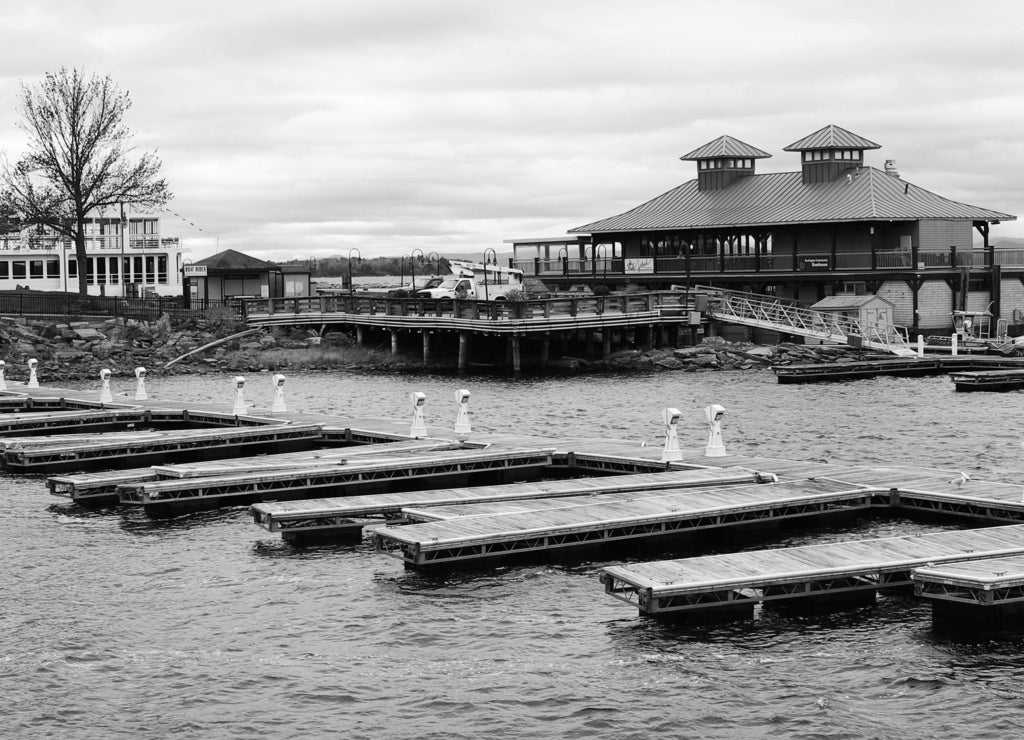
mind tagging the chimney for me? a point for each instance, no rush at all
(890, 168)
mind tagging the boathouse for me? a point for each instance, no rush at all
(869, 310)
(833, 225)
(232, 274)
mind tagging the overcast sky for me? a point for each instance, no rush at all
(308, 128)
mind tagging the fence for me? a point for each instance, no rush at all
(70, 305)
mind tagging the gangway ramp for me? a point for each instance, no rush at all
(768, 312)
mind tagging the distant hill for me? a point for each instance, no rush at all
(1008, 242)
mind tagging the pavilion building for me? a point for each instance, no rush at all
(835, 226)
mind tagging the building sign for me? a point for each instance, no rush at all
(639, 265)
(193, 270)
(815, 263)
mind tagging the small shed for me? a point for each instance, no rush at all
(869, 310)
(232, 274)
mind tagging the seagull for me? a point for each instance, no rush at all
(961, 480)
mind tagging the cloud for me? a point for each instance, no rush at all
(387, 126)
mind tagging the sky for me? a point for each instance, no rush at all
(304, 129)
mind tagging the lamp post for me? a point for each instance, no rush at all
(495, 256)
(603, 251)
(437, 261)
(564, 259)
(401, 270)
(359, 256)
(412, 268)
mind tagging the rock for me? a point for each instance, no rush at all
(87, 333)
(669, 363)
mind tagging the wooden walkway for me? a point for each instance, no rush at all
(295, 519)
(673, 586)
(565, 523)
(102, 487)
(989, 380)
(186, 494)
(903, 367)
(976, 583)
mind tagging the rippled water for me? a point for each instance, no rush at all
(207, 626)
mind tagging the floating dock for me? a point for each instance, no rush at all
(27, 457)
(989, 380)
(983, 596)
(547, 525)
(735, 582)
(344, 516)
(102, 487)
(903, 367)
(192, 494)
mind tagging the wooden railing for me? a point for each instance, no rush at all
(361, 304)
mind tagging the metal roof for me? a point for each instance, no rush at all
(831, 137)
(772, 199)
(230, 259)
(725, 146)
(840, 302)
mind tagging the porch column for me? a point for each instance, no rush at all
(360, 335)
(394, 341)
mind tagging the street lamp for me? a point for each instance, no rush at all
(603, 251)
(495, 256)
(437, 261)
(563, 257)
(359, 256)
(412, 268)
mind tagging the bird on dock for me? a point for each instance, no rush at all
(961, 479)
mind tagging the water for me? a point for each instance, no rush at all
(207, 626)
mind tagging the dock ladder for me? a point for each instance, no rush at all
(775, 314)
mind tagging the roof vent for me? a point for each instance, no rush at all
(890, 168)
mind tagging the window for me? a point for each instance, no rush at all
(18, 269)
(161, 269)
(35, 269)
(90, 270)
(101, 269)
(150, 270)
(126, 273)
(52, 268)
(113, 270)
(136, 269)
(72, 268)
(5, 270)
(731, 163)
(702, 164)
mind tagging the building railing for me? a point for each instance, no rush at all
(879, 260)
(111, 242)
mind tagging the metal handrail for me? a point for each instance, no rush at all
(789, 317)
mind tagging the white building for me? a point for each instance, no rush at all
(140, 262)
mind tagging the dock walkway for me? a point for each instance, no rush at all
(672, 586)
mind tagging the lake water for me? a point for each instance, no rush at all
(207, 626)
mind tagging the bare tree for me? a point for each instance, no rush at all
(79, 158)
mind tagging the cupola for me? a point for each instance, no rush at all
(723, 160)
(829, 152)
